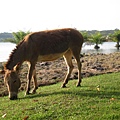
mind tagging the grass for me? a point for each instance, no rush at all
(72, 103)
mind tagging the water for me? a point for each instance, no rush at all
(5, 50)
(106, 47)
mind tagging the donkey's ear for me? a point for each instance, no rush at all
(2, 71)
(17, 67)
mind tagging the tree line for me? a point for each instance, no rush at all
(98, 38)
(5, 35)
(90, 37)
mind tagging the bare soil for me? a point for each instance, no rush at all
(53, 72)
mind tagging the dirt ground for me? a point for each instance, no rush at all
(53, 72)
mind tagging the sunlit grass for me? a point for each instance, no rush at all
(72, 103)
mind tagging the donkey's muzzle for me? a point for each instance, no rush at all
(13, 98)
(13, 95)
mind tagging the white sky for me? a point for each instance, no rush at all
(36, 15)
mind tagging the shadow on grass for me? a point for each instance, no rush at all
(81, 93)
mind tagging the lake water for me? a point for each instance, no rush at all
(106, 47)
(5, 50)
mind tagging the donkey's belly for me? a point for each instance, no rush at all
(50, 57)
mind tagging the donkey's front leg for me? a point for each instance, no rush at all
(34, 82)
(68, 60)
(29, 76)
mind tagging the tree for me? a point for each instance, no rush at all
(96, 38)
(85, 36)
(17, 37)
(116, 37)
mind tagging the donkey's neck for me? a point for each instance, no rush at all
(16, 57)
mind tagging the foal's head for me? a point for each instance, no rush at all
(13, 83)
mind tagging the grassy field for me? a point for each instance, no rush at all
(97, 99)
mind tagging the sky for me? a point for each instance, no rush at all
(36, 15)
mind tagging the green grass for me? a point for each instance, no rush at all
(71, 103)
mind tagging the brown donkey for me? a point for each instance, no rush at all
(43, 46)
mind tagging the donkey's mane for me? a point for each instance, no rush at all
(10, 59)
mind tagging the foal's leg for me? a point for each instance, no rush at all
(68, 60)
(29, 76)
(34, 82)
(76, 56)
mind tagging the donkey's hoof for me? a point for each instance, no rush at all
(27, 93)
(33, 91)
(63, 86)
(78, 85)
(36, 88)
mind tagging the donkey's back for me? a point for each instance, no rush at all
(55, 41)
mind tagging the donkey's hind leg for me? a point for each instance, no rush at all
(68, 60)
(79, 65)
(34, 82)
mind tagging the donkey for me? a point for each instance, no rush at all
(42, 46)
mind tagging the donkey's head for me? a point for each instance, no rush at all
(13, 83)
